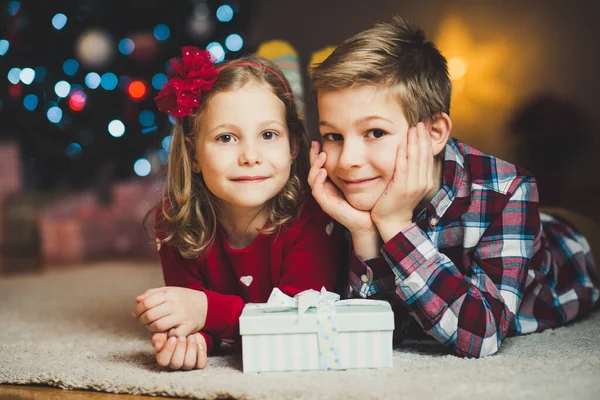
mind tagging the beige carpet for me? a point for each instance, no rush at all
(73, 329)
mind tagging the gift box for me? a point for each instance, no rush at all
(316, 331)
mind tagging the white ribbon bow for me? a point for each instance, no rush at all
(279, 301)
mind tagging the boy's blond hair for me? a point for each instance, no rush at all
(392, 55)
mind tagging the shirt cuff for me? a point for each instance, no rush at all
(223, 314)
(409, 249)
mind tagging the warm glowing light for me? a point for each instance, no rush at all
(77, 100)
(457, 68)
(137, 90)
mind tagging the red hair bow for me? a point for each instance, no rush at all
(181, 95)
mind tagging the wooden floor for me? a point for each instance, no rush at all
(10, 392)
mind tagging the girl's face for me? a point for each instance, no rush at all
(243, 147)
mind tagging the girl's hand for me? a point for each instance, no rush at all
(413, 179)
(178, 311)
(180, 353)
(331, 199)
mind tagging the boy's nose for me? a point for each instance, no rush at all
(351, 155)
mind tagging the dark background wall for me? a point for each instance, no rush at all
(516, 51)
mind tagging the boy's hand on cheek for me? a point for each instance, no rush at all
(331, 199)
(412, 180)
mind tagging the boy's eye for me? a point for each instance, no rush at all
(225, 138)
(332, 137)
(375, 133)
(269, 135)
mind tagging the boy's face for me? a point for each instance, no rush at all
(361, 128)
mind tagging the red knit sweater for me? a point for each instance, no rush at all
(303, 255)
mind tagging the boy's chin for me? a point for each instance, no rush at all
(362, 202)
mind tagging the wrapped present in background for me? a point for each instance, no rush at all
(316, 331)
(10, 171)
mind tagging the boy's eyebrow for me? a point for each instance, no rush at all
(358, 121)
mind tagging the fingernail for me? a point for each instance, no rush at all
(201, 346)
(172, 339)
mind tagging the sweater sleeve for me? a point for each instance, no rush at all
(178, 272)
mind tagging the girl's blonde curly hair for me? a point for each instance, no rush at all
(187, 215)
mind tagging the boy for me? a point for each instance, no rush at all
(448, 234)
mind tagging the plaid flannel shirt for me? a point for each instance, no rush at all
(480, 262)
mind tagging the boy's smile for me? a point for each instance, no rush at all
(361, 128)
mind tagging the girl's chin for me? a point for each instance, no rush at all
(362, 202)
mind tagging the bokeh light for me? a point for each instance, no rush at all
(27, 76)
(224, 13)
(77, 100)
(62, 89)
(166, 143)
(234, 42)
(109, 81)
(136, 90)
(73, 150)
(40, 74)
(59, 21)
(4, 46)
(30, 102)
(54, 114)
(142, 167)
(162, 32)
(71, 66)
(158, 81)
(14, 75)
(92, 80)
(126, 46)
(116, 128)
(217, 51)
(13, 8)
(147, 118)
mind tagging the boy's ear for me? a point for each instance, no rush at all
(441, 126)
(189, 147)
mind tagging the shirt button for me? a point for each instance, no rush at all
(434, 221)
(364, 278)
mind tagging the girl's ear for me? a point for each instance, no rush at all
(189, 147)
(294, 147)
(441, 126)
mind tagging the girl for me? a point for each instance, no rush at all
(235, 220)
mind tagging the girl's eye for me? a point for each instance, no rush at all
(225, 138)
(332, 137)
(269, 135)
(375, 133)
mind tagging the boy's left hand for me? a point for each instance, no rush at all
(412, 180)
(178, 311)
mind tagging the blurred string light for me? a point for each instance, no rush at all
(59, 21)
(54, 114)
(77, 100)
(162, 32)
(30, 102)
(73, 150)
(126, 46)
(116, 128)
(158, 81)
(142, 167)
(147, 118)
(163, 156)
(234, 42)
(224, 13)
(4, 46)
(172, 120)
(92, 80)
(14, 75)
(200, 24)
(71, 66)
(109, 81)
(13, 8)
(62, 89)
(124, 82)
(136, 90)
(217, 51)
(166, 143)
(27, 76)
(149, 129)
(40, 74)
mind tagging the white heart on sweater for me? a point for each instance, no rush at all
(329, 228)
(246, 280)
